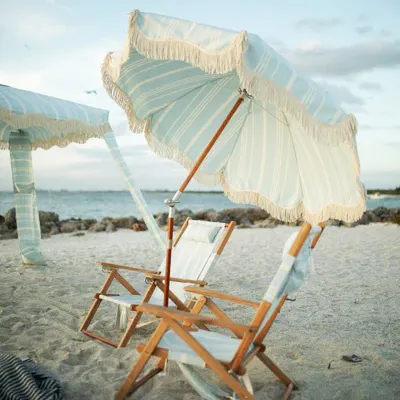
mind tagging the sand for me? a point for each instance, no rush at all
(349, 305)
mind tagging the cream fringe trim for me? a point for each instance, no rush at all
(331, 211)
(224, 61)
(262, 89)
(81, 131)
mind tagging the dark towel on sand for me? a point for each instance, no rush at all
(24, 380)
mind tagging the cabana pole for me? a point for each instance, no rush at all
(175, 199)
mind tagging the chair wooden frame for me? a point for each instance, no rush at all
(181, 322)
(155, 281)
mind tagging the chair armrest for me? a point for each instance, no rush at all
(134, 269)
(177, 315)
(172, 279)
(220, 295)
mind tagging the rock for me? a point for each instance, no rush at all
(10, 219)
(124, 223)
(2, 219)
(139, 227)
(393, 212)
(242, 216)
(110, 227)
(270, 222)
(54, 230)
(162, 219)
(3, 228)
(6, 235)
(77, 234)
(256, 214)
(244, 226)
(69, 226)
(396, 219)
(383, 213)
(98, 227)
(206, 215)
(46, 227)
(367, 218)
(85, 224)
(232, 214)
(334, 222)
(106, 220)
(47, 217)
(182, 215)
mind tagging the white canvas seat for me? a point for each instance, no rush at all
(196, 250)
(177, 338)
(128, 300)
(219, 345)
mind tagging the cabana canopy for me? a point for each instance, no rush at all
(30, 121)
(47, 121)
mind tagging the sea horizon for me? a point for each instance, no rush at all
(99, 204)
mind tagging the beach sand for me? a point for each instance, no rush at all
(349, 305)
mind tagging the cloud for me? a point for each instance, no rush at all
(27, 81)
(342, 94)
(345, 60)
(380, 127)
(35, 26)
(316, 24)
(370, 86)
(362, 18)
(385, 33)
(363, 30)
(392, 144)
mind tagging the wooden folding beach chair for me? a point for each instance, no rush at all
(197, 248)
(176, 339)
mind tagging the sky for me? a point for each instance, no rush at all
(56, 47)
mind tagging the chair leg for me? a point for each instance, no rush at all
(136, 318)
(129, 384)
(96, 304)
(288, 392)
(129, 331)
(211, 362)
(277, 371)
(92, 311)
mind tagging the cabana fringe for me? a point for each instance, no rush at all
(80, 131)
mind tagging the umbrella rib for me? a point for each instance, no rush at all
(295, 155)
(272, 115)
(189, 92)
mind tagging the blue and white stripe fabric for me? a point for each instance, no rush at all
(136, 193)
(293, 270)
(27, 216)
(48, 121)
(289, 148)
(25, 380)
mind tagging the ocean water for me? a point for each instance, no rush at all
(120, 204)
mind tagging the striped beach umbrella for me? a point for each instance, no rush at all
(235, 113)
(29, 121)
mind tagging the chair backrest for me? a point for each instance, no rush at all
(291, 273)
(196, 250)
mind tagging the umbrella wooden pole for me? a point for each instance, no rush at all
(172, 202)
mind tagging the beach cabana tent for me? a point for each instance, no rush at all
(29, 121)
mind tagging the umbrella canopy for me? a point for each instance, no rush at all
(288, 149)
(48, 121)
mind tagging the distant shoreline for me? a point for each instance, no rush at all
(395, 192)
